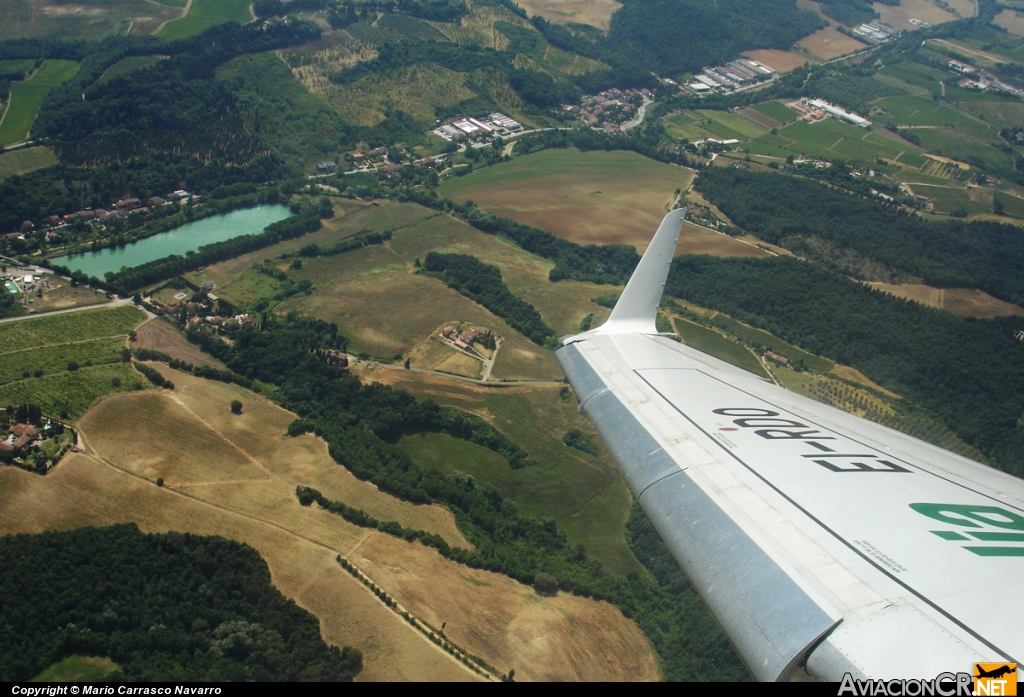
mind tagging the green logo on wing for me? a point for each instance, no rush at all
(982, 523)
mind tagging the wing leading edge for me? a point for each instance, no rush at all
(816, 538)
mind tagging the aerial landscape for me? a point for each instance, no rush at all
(295, 295)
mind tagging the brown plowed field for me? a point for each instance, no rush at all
(158, 335)
(967, 302)
(829, 43)
(596, 13)
(698, 240)
(782, 61)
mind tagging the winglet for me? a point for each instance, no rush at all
(637, 308)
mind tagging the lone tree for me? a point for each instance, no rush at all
(236, 406)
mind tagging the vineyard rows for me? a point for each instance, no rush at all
(53, 359)
(69, 395)
(48, 331)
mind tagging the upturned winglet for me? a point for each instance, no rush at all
(637, 307)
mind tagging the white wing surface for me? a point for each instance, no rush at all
(816, 538)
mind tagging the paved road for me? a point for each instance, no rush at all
(116, 303)
(641, 112)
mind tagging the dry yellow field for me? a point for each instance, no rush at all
(967, 302)
(559, 638)
(585, 197)
(83, 491)
(64, 297)
(898, 16)
(1011, 20)
(829, 43)
(235, 476)
(596, 13)
(698, 240)
(157, 335)
(782, 61)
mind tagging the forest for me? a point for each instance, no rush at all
(792, 212)
(848, 12)
(360, 423)
(704, 33)
(968, 373)
(166, 607)
(482, 283)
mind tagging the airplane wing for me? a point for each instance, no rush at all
(816, 538)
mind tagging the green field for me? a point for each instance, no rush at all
(74, 326)
(205, 14)
(998, 113)
(917, 74)
(91, 339)
(948, 144)
(69, 395)
(918, 111)
(25, 160)
(703, 123)
(585, 495)
(126, 66)
(27, 96)
(21, 65)
(947, 199)
(759, 337)
(714, 344)
(777, 111)
(80, 20)
(831, 139)
(52, 359)
(78, 669)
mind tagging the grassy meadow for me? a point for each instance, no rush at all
(78, 669)
(204, 14)
(27, 96)
(586, 495)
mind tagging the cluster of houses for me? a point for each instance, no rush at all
(485, 128)
(740, 74)
(974, 79)
(225, 323)
(120, 209)
(610, 109)
(376, 159)
(878, 32)
(817, 109)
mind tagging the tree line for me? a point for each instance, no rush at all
(793, 212)
(704, 34)
(165, 607)
(360, 423)
(482, 283)
(968, 373)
